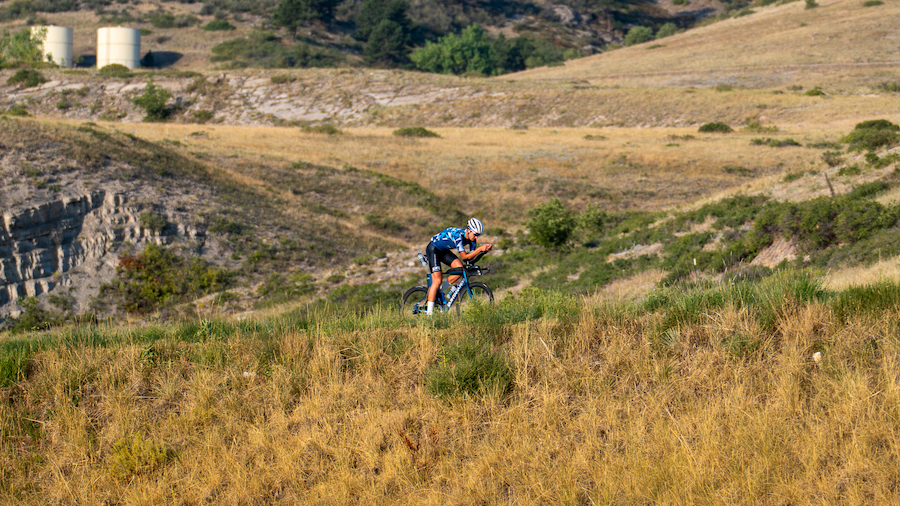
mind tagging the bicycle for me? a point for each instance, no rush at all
(416, 298)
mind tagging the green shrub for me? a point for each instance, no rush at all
(283, 79)
(414, 132)
(592, 222)
(811, 4)
(152, 221)
(716, 127)
(832, 158)
(202, 116)
(667, 30)
(116, 70)
(638, 35)
(28, 77)
(872, 3)
(858, 220)
(793, 176)
(774, 143)
(167, 20)
(737, 170)
(153, 101)
(33, 317)
(16, 110)
(866, 190)
(218, 25)
(815, 92)
(850, 170)
(384, 223)
(158, 276)
(551, 224)
(871, 135)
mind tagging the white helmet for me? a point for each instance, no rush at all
(476, 226)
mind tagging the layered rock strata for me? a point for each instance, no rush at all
(40, 243)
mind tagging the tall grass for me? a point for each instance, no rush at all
(315, 405)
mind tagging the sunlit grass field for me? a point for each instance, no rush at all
(773, 392)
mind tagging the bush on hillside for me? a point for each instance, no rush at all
(638, 35)
(116, 70)
(667, 30)
(774, 143)
(262, 49)
(716, 127)
(28, 77)
(153, 101)
(414, 132)
(551, 224)
(871, 135)
(158, 276)
(218, 25)
(168, 20)
(473, 51)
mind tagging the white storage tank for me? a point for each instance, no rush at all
(118, 45)
(57, 44)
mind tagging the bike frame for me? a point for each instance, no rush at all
(454, 290)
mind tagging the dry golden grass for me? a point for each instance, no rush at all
(598, 415)
(501, 172)
(840, 44)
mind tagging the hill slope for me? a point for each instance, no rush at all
(839, 44)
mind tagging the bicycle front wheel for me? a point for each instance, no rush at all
(414, 301)
(481, 294)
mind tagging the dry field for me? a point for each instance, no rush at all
(501, 172)
(337, 412)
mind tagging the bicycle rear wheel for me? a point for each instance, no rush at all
(414, 301)
(481, 294)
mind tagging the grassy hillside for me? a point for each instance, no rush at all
(773, 391)
(278, 227)
(841, 45)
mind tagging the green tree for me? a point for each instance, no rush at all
(551, 224)
(153, 102)
(293, 14)
(387, 45)
(23, 45)
(469, 52)
(373, 12)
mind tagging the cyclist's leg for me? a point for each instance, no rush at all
(434, 265)
(454, 264)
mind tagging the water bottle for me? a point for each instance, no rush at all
(422, 259)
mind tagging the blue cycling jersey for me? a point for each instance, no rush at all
(452, 237)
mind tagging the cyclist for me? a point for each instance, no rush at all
(440, 248)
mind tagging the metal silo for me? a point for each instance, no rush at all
(57, 44)
(118, 45)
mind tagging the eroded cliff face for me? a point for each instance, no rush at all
(44, 243)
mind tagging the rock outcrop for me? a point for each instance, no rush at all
(41, 243)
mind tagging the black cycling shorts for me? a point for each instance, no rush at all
(437, 256)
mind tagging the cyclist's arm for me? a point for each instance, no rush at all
(467, 255)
